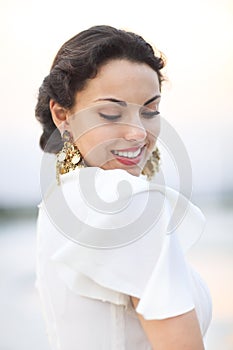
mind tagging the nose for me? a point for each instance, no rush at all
(135, 130)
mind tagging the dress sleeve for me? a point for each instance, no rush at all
(148, 263)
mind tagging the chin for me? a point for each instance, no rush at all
(135, 172)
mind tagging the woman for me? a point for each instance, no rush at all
(114, 278)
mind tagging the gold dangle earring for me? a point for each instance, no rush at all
(152, 165)
(69, 158)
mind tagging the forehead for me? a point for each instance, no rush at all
(124, 80)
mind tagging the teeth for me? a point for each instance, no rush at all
(128, 154)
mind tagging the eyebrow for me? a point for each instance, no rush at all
(124, 104)
(152, 100)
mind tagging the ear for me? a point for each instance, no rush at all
(59, 115)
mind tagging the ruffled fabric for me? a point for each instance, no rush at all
(147, 263)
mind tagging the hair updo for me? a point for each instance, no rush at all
(78, 60)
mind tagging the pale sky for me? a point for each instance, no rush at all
(197, 39)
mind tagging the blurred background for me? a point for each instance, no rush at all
(197, 39)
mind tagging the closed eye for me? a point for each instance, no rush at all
(110, 116)
(151, 114)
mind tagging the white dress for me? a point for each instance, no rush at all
(106, 235)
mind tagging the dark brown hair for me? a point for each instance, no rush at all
(78, 60)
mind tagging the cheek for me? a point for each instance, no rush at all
(88, 141)
(96, 139)
(153, 130)
(151, 143)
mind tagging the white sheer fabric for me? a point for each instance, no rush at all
(85, 292)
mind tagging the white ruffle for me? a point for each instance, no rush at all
(151, 268)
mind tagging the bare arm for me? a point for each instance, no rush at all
(175, 333)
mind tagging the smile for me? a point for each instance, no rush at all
(129, 157)
(128, 154)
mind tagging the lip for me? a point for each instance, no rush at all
(132, 149)
(130, 161)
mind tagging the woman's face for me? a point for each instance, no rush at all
(115, 119)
